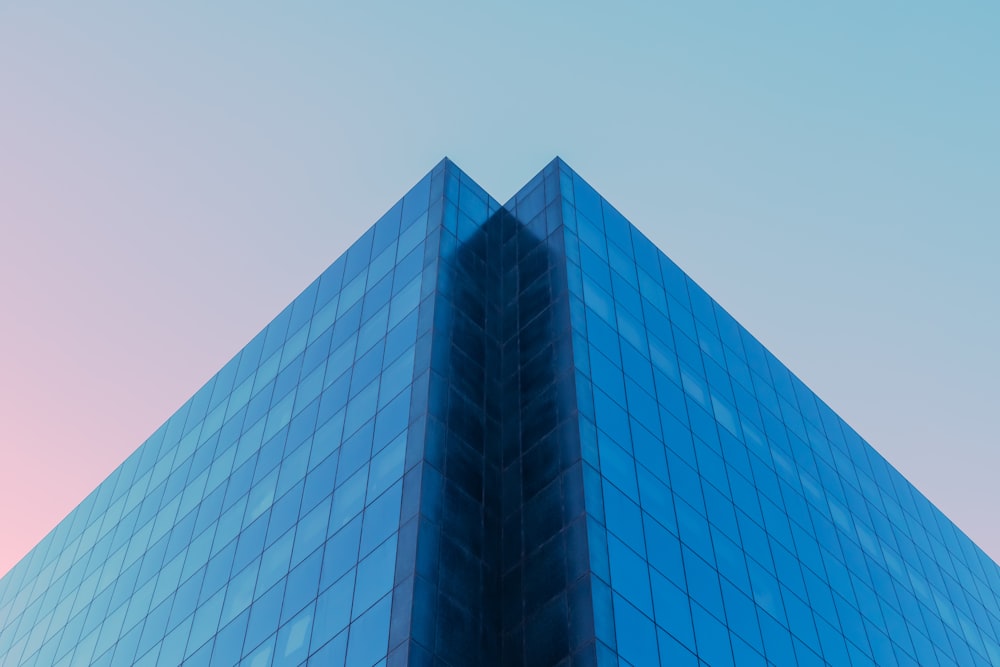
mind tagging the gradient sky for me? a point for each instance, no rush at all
(171, 177)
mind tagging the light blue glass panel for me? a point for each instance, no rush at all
(211, 543)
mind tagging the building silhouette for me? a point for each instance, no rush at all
(503, 435)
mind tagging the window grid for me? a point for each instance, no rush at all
(529, 404)
(818, 545)
(284, 469)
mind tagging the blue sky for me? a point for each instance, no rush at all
(170, 177)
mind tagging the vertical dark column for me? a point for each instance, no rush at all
(548, 612)
(501, 574)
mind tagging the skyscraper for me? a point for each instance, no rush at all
(503, 435)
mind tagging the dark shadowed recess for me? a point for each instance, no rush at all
(502, 576)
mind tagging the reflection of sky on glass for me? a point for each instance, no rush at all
(171, 177)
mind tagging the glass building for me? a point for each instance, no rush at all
(503, 435)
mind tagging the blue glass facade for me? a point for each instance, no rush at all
(503, 435)
(733, 517)
(263, 522)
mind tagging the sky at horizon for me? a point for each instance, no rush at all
(171, 177)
